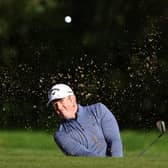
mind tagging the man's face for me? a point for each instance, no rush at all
(66, 107)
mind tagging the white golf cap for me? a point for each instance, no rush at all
(59, 91)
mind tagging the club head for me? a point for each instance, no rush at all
(161, 127)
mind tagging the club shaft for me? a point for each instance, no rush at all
(153, 142)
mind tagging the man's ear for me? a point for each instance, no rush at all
(73, 98)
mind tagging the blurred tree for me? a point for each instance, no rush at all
(112, 51)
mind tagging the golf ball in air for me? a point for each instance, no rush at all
(68, 19)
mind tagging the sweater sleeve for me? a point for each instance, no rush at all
(111, 132)
(71, 147)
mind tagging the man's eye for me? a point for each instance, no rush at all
(62, 100)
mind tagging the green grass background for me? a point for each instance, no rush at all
(30, 149)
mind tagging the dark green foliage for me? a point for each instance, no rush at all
(113, 51)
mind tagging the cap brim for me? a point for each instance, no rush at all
(49, 102)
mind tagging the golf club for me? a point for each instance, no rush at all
(162, 129)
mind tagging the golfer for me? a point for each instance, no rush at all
(90, 130)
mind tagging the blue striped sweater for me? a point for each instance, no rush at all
(94, 132)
